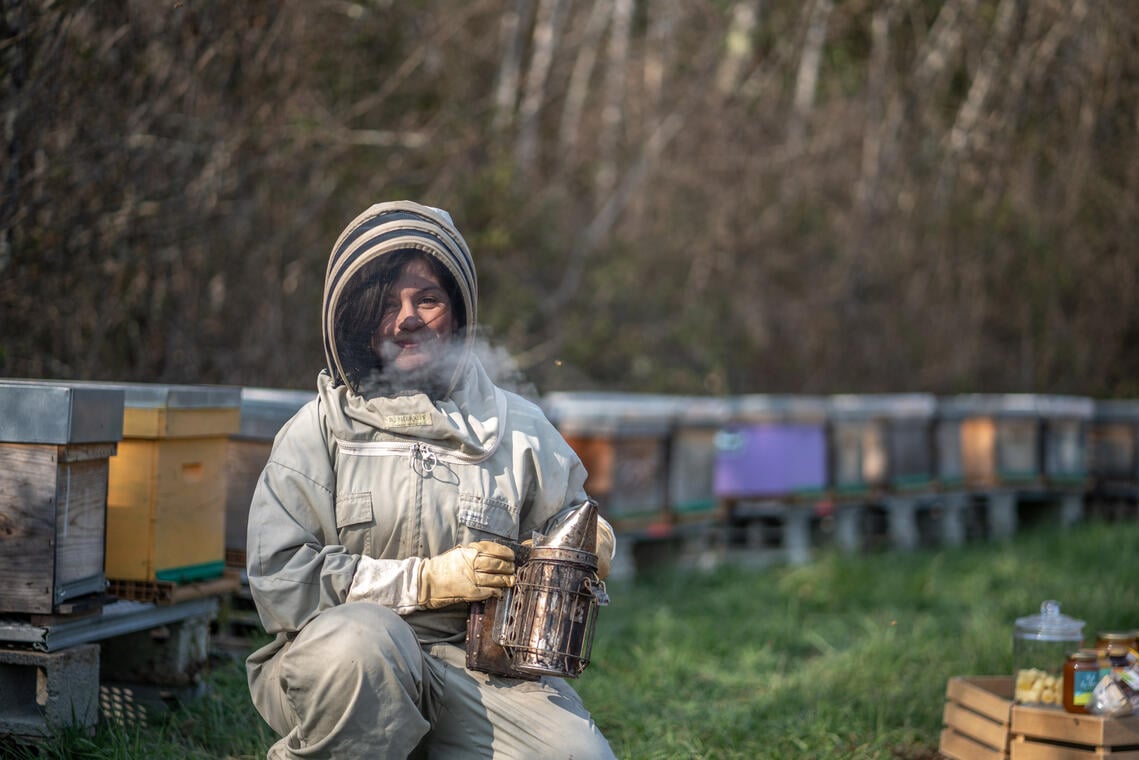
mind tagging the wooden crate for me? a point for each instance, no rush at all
(1041, 733)
(55, 444)
(167, 486)
(981, 722)
(976, 718)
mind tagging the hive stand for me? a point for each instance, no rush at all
(43, 691)
(57, 674)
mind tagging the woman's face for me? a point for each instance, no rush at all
(417, 319)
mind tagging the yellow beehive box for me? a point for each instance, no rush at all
(166, 489)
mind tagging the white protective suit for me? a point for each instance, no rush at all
(361, 486)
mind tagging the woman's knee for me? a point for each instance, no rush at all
(357, 637)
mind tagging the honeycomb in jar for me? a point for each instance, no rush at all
(1035, 686)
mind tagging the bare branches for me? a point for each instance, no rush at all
(916, 182)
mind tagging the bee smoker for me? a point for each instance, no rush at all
(544, 624)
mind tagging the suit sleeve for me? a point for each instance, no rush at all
(296, 566)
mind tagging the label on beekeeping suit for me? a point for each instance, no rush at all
(407, 420)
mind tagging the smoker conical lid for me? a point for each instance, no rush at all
(577, 529)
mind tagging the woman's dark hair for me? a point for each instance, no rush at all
(358, 310)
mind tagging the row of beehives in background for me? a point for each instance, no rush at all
(669, 460)
(175, 466)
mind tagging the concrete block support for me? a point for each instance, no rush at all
(848, 528)
(953, 509)
(1071, 508)
(902, 516)
(1002, 514)
(797, 535)
(173, 654)
(43, 691)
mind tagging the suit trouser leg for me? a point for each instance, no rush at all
(483, 716)
(356, 682)
(352, 684)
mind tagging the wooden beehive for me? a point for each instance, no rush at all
(692, 457)
(773, 447)
(1065, 427)
(882, 442)
(1113, 443)
(623, 441)
(976, 718)
(166, 491)
(56, 442)
(263, 412)
(1014, 440)
(997, 438)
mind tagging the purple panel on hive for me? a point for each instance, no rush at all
(770, 460)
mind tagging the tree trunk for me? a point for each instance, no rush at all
(546, 34)
(584, 64)
(613, 109)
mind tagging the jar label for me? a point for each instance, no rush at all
(1083, 685)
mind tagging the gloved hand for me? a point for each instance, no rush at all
(465, 574)
(605, 544)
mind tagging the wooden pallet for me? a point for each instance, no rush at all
(165, 592)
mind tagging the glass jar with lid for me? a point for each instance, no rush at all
(1124, 639)
(1041, 645)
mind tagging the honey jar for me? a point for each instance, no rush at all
(1124, 639)
(1081, 674)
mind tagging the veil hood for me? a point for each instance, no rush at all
(384, 229)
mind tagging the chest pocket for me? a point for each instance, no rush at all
(488, 514)
(354, 521)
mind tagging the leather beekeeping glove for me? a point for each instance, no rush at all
(465, 574)
(606, 546)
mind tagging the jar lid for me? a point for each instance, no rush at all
(1084, 655)
(1049, 625)
(1110, 636)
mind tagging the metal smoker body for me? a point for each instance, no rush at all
(544, 624)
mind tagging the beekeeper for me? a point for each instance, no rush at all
(373, 525)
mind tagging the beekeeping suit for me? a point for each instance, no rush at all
(373, 524)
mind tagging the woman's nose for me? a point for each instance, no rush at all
(409, 318)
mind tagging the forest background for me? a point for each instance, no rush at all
(785, 196)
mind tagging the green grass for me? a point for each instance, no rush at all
(846, 657)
